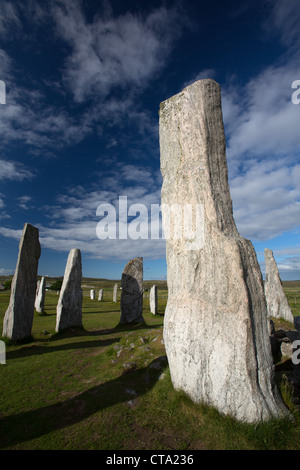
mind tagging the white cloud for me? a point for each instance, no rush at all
(261, 119)
(11, 170)
(266, 199)
(23, 202)
(110, 52)
(73, 220)
(284, 19)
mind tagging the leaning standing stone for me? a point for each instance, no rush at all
(215, 325)
(69, 307)
(132, 292)
(277, 304)
(40, 296)
(18, 318)
(153, 300)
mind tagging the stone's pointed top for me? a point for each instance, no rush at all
(277, 304)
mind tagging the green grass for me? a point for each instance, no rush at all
(72, 391)
(292, 292)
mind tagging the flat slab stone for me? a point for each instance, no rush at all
(69, 306)
(18, 318)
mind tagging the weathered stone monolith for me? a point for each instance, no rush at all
(132, 292)
(100, 296)
(40, 296)
(69, 307)
(215, 325)
(277, 304)
(92, 294)
(115, 293)
(18, 318)
(153, 300)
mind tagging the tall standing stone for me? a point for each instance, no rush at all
(69, 307)
(215, 325)
(115, 293)
(18, 318)
(153, 300)
(40, 296)
(100, 296)
(277, 304)
(92, 294)
(132, 292)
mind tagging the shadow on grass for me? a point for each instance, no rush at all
(33, 424)
(37, 349)
(73, 332)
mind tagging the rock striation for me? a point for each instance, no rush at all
(18, 318)
(215, 287)
(277, 304)
(69, 306)
(132, 292)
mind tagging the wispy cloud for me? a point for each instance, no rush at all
(11, 170)
(108, 61)
(110, 52)
(73, 220)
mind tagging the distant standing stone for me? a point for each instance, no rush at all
(92, 294)
(277, 304)
(69, 307)
(115, 293)
(153, 300)
(18, 318)
(100, 296)
(132, 292)
(40, 295)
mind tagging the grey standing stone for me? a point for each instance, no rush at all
(215, 324)
(115, 293)
(277, 304)
(69, 307)
(132, 292)
(100, 296)
(153, 300)
(18, 318)
(40, 295)
(92, 294)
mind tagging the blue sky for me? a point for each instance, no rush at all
(79, 128)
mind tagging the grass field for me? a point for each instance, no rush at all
(108, 387)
